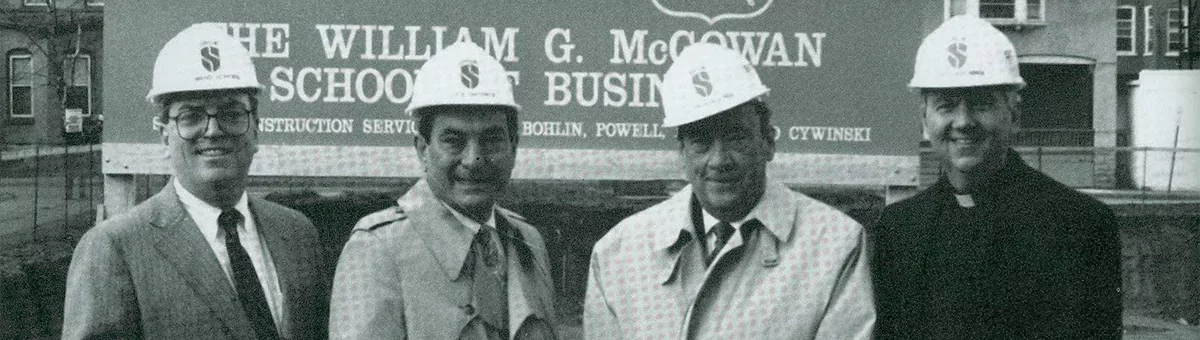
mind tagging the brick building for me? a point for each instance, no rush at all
(53, 55)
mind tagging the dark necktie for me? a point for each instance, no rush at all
(491, 288)
(245, 279)
(724, 231)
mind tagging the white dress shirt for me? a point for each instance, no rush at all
(710, 224)
(205, 215)
(474, 227)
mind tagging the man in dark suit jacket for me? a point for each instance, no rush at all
(201, 259)
(995, 249)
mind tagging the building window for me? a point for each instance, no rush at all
(1033, 10)
(1177, 36)
(1126, 40)
(77, 75)
(1150, 33)
(97, 3)
(36, 2)
(1008, 11)
(20, 85)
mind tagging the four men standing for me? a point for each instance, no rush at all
(993, 250)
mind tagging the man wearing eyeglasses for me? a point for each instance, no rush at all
(734, 255)
(201, 259)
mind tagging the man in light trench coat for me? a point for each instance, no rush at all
(445, 262)
(733, 255)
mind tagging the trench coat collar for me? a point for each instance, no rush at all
(673, 229)
(775, 212)
(447, 238)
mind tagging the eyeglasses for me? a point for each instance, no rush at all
(192, 124)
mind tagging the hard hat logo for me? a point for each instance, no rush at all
(719, 79)
(210, 58)
(202, 57)
(958, 54)
(469, 71)
(702, 82)
(461, 74)
(946, 59)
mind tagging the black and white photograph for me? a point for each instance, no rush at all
(604, 169)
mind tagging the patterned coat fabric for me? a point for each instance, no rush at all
(150, 274)
(1033, 259)
(802, 275)
(401, 276)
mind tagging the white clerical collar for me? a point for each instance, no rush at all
(965, 200)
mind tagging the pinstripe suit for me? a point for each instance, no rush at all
(150, 274)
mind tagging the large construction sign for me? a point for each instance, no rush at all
(338, 76)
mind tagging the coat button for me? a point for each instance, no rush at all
(468, 309)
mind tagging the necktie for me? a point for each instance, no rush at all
(724, 231)
(491, 288)
(245, 279)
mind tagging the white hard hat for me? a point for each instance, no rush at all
(202, 57)
(966, 51)
(461, 74)
(704, 80)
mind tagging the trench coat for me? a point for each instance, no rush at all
(1034, 259)
(401, 276)
(150, 274)
(802, 274)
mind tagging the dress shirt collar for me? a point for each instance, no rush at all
(711, 221)
(470, 223)
(205, 215)
(774, 210)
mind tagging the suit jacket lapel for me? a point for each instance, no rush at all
(180, 241)
(283, 256)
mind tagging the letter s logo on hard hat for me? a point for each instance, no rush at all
(702, 82)
(958, 54)
(706, 79)
(202, 57)
(945, 61)
(469, 71)
(461, 74)
(210, 57)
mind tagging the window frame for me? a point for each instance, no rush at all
(1177, 29)
(87, 109)
(1132, 51)
(1020, 13)
(11, 85)
(1149, 35)
(94, 3)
